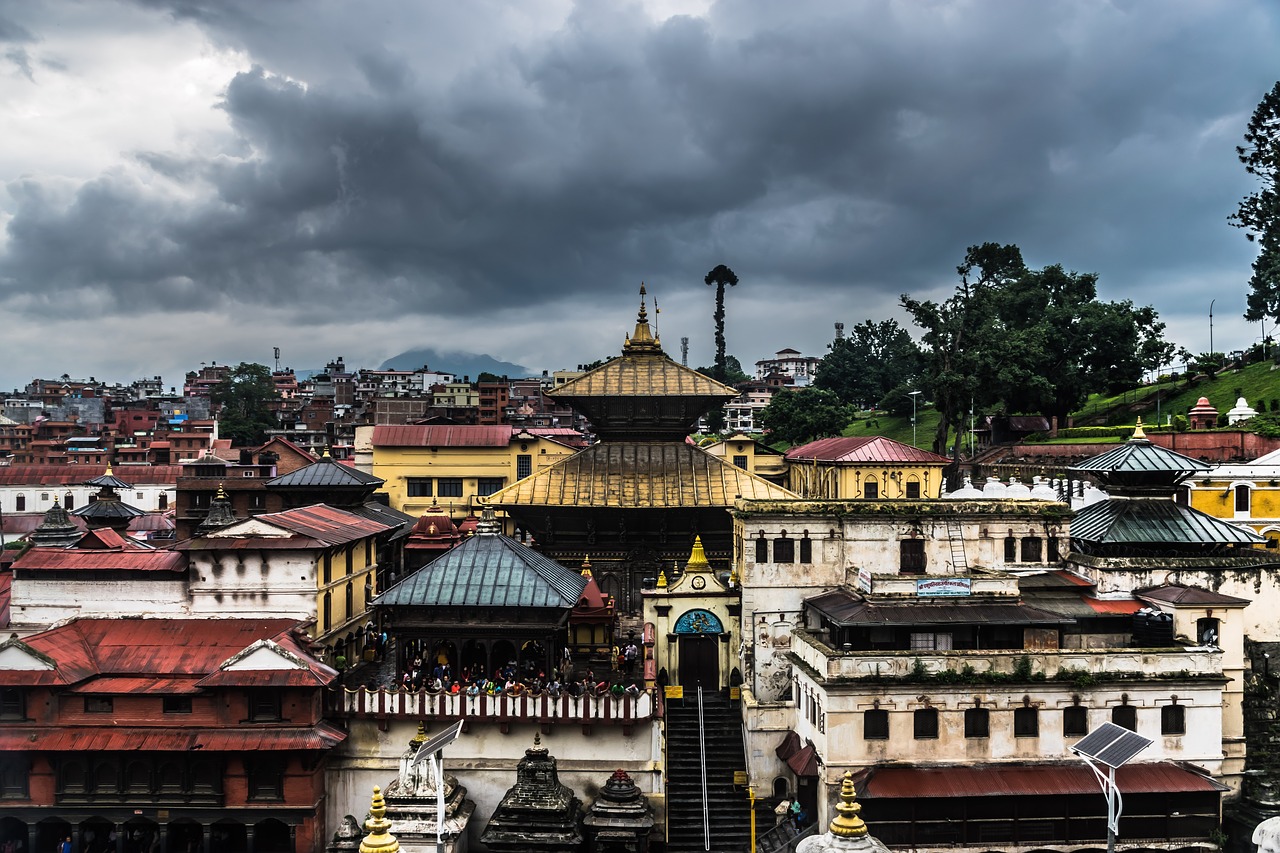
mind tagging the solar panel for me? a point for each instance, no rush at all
(438, 742)
(1111, 745)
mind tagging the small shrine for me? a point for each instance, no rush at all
(1241, 411)
(698, 614)
(433, 534)
(1202, 415)
(847, 832)
(591, 622)
(537, 813)
(621, 819)
(106, 509)
(414, 804)
(56, 529)
(220, 514)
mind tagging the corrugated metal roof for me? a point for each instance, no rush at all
(488, 570)
(95, 559)
(159, 685)
(435, 435)
(74, 475)
(328, 524)
(138, 647)
(1029, 780)
(128, 739)
(872, 449)
(1189, 595)
(327, 473)
(1112, 605)
(19, 523)
(845, 608)
(650, 475)
(1155, 521)
(108, 509)
(643, 375)
(1139, 455)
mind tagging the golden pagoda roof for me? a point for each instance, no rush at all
(643, 370)
(643, 375)
(646, 475)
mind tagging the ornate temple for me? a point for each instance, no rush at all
(414, 801)
(621, 819)
(636, 500)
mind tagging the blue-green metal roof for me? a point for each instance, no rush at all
(1139, 455)
(488, 570)
(1155, 522)
(326, 473)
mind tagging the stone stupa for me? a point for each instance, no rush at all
(538, 814)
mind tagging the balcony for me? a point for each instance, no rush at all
(526, 708)
(1174, 662)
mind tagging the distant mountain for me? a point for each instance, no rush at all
(460, 363)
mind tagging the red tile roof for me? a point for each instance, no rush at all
(74, 475)
(873, 449)
(1032, 779)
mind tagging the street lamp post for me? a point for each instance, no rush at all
(913, 395)
(1211, 301)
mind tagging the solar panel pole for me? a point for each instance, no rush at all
(1110, 746)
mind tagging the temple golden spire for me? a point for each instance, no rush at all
(642, 339)
(697, 558)
(1137, 430)
(421, 736)
(846, 824)
(379, 839)
(586, 566)
(221, 495)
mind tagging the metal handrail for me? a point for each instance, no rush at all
(702, 751)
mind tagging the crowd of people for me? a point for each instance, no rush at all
(512, 680)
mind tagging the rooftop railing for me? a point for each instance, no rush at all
(605, 709)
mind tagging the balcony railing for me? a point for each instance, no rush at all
(607, 709)
(1183, 662)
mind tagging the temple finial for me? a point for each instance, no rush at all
(847, 824)
(1137, 430)
(378, 839)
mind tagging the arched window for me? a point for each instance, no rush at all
(870, 489)
(351, 600)
(20, 503)
(1173, 719)
(875, 724)
(1075, 721)
(163, 501)
(1242, 499)
(68, 501)
(328, 611)
(762, 550)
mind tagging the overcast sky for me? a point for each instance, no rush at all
(202, 180)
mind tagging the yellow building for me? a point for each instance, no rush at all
(456, 467)
(867, 467)
(751, 455)
(316, 562)
(1247, 494)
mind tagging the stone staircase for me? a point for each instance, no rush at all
(727, 805)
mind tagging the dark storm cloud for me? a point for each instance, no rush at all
(823, 146)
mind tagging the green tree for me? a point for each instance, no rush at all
(719, 277)
(1029, 341)
(800, 416)
(244, 401)
(1259, 212)
(733, 372)
(960, 335)
(873, 360)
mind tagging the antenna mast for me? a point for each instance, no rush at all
(684, 351)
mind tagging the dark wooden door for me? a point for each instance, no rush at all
(700, 662)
